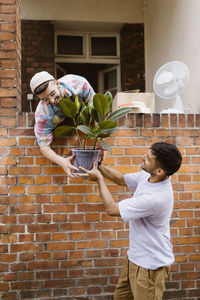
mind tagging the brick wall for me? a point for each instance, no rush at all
(10, 64)
(37, 54)
(56, 240)
(132, 57)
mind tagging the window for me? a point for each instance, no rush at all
(95, 56)
(69, 45)
(87, 45)
(103, 46)
(109, 80)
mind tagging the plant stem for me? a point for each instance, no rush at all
(84, 145)
(95, 143)
(90, 120)
(77, 132)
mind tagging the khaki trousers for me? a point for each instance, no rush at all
(137, 283)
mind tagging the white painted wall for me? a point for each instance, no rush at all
(172, 33)
(119, 11)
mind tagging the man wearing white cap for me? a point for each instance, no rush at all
(48, 114)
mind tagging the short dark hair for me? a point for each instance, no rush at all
(42, 87)
(168, 157)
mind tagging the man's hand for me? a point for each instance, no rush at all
(93, 175)
(68, 167)
(63, 162)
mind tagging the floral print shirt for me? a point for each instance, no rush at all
(47, 116)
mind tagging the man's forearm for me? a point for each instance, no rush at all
(51, 155)
(112, 174)
(110, 205)
(66, 163)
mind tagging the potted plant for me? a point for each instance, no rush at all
(96, 122)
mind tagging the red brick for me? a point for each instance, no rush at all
(43, 237)
(60, 246)
(7, 258)
(17, 190)
(26, 276)
(3, 190)
(58, 208)
(26, 237)
(27, 141)
(26, 180)
(25, 199)
(24, 247)
(61, 218)
(42, 265)
(4, 287)
(43, 256)
(44, 218)
(185, 132)
(24, 170)
(43, 180)
(43, 228)
(17, 151)
(92, 235)
(119, 243)
(9, 277)
(8, 219)
(91, 244)
(43, 190)
(7, 142)
(79, 189)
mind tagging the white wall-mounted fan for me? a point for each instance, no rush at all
(169, 81)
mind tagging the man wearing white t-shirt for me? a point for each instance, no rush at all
(148, 212)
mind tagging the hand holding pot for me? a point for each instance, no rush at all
(93, 175)
(68, 167)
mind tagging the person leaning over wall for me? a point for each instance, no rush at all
(150, 254)
(48, 114)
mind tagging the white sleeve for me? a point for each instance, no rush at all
(131, 180)
(136, 207)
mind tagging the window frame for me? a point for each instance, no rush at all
(57, 33)
(103, 35)
(87, 57)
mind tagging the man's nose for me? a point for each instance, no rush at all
(52, 99)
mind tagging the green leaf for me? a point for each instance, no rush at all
(90, 107)
(96, 131)
(105, 145)
(83, 117)
(96, 116)
(120, 113)
(77, 103)
(101, 104)
(109, 96)
(107, 132)
(68, 108)
(107, 124)
(62, 130)
(87, 130)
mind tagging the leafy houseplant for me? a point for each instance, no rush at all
(94, 119)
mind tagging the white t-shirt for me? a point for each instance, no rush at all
(148, 213)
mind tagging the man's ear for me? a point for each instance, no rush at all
(57, 82)
(160, 172)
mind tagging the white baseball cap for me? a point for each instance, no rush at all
(40, 78)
